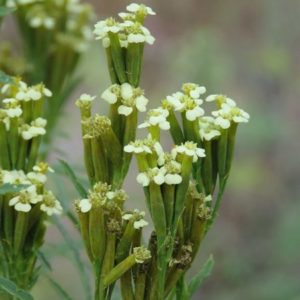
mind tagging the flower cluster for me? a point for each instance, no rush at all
(127, 97)
(129, 31)
(42, 16)
(109, 232)
(21, 122)
(32, 192)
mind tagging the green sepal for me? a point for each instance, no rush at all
(134, 57)
(117, 57)
(175, 128)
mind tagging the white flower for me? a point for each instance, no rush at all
(111, 94)
(157, 117)
(126, 91)
(43, 168)
(37, 128)
(194, 113)
(208, 129)
(144, 36)
(140, 8)
(14, 177)
(85, 101)
(102, 28)
(14, 111)
(87, 98)
(50, 204)
(85, 205)
(174, 100)
(138, 217)
(172, 179)
(141, 103)
(125, 110)
(137, 100)
(228, 113)
(220, 99)
(185, 103)
(25, 198)
(155, 174)
(193, 90)
(137, 147)
(37, 177)
(189, 149)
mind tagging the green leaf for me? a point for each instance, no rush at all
(205, 272)
(10, 287)
(4, 78)
(70, 173)
(5, 10)
(8, 188)
(60, 290)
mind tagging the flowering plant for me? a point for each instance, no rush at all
(25, 203)
(179, 185)
(183, 186)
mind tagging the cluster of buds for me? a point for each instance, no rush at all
(55, 34)
(124, 44)
(183, 210)
(21, 124)
(179, 185)
(25, 205)
(112, 236)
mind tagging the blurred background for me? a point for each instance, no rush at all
(248, 50)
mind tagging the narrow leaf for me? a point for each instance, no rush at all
(10, 287)
(204, 273)
(60, 290)
(70, 173)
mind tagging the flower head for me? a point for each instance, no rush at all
(112, 94)
(50, 205)
(188, 149)
(220, 99)
(36, 128)
(228, 114)
(156, 175)
(85, 101)
(24, 199)
(157, 117)
(137, 217)
(137, 100)
(141, 254)
(193, 90)
(140, 9)
(208, 129)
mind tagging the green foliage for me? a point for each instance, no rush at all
(204, 273)
(75, 181)
(10, 288)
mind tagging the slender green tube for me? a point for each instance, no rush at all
(117, 57)
(175, 129)
(110, 64)
(4, 150)
(14, 140)
(20, 231)
(119, 270)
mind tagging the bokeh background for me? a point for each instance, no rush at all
(250, 51)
